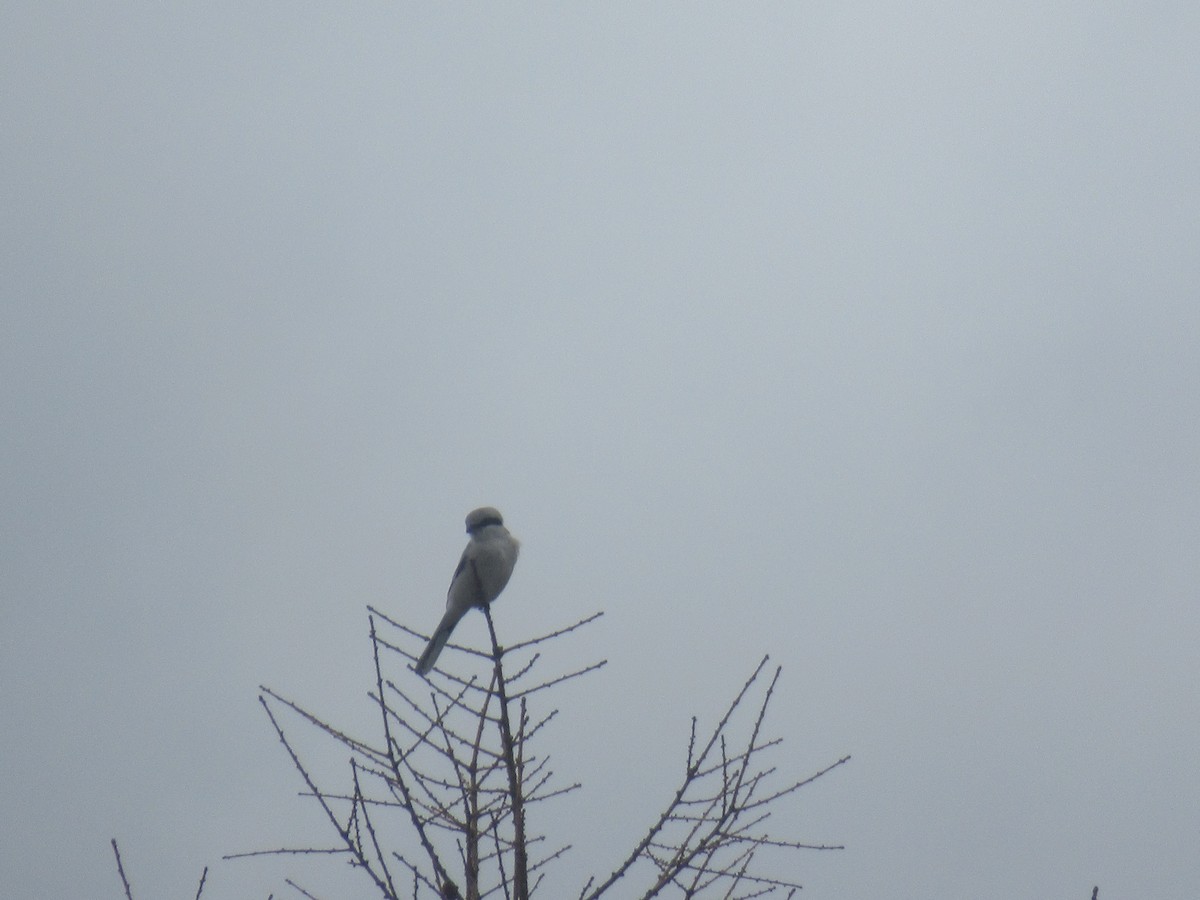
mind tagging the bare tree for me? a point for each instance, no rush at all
(439, 805)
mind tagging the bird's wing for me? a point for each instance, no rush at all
(466, 589)
(462, 564)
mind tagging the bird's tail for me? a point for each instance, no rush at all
(434, 648)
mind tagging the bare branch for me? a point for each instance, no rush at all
(121, 871)
(343, 832)
(520, 862)
(558, 633)
(301, 890)
(286, 851)
(702, 840)
(418, 825)
(560, 679)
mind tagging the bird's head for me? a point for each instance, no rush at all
(482, 517)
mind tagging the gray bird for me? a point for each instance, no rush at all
(486, 565)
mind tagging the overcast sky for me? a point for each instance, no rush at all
(862, 334)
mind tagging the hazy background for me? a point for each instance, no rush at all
(863, 334)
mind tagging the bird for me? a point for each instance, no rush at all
(483, 571)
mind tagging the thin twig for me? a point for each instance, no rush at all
(286, 851)
(297, 887)
(121, 871)
(558, 633)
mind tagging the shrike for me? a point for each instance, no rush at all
(484, 570)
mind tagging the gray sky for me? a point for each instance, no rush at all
(860, 334)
